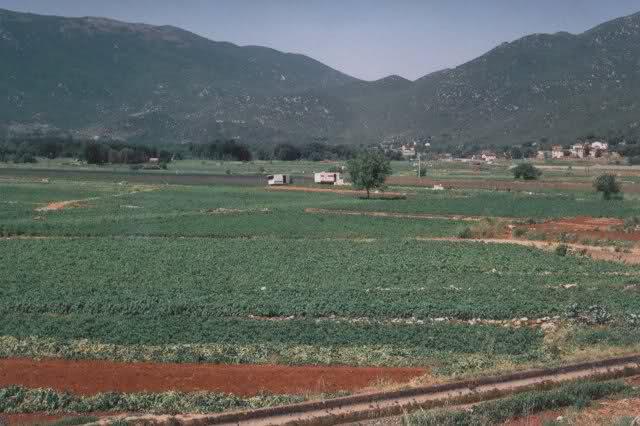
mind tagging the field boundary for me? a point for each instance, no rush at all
(382, 404)
(398, 215)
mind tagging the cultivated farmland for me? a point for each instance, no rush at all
(107, 270)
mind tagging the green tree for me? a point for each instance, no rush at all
(526, 171)
(369, 170)
(608, 185)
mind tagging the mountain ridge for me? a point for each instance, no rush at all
(165, 84)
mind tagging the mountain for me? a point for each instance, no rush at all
(162, 84)
(552, 86)
(139, 81)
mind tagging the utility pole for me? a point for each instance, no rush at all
(419, 167)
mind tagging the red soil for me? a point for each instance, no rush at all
(91, 377)
(588, 227)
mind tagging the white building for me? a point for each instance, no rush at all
(488, 156)
(557, 152)
(408, 151)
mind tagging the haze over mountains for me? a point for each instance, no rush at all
(99, 77)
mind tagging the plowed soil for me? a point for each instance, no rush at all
(588, 227)
(335, 191)
(91, 377)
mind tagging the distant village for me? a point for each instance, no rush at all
(594, 150)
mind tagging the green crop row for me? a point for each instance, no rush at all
(385, 279)
(18, 400)
(577, 394)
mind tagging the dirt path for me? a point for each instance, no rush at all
(396, 215)
(83, 203)
(335, 191)
(588, 227)
(91, 377)
(61, 205)
(366, 406)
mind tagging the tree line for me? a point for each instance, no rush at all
(28, 149)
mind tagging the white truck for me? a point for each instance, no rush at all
(276, 180)
(327, 178)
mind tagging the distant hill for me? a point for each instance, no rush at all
(162, 84)
(139, 81)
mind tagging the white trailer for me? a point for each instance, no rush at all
(327, 178)
(273, 180)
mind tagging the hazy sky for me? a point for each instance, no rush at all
(369, 39)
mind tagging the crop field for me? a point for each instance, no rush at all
(99, 270)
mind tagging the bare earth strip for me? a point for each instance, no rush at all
(336, 191)
(367, 406)
(398, 215)
(90, 377)
(61, 205)
(595, 252)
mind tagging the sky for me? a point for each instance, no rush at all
(368, 39)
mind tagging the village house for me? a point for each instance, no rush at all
(557, 152)
(408, 151)
(577, 150)
(488, 156)
(542, 155)
(598, 149)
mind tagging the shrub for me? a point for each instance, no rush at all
(519, 232)
(466, 233)
(526, 171)
(562, 250)
(608, 185)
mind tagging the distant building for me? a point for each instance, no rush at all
(488, 156)
(598, 149)
(154, 160)
(542, 155)
(577, 150)
(408, 151)
(557, 152)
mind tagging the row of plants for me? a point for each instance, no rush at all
(19, 400)
(385, 279)
(577, 394)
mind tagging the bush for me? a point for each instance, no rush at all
(526, 171)
(519, 232)
(608, 185)
(466, 233)
(562, 250)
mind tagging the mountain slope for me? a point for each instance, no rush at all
(558, 87)
(162, 84)
(104, 75)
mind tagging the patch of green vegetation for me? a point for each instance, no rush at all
(577, 394)
(17, 400)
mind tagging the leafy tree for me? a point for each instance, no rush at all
(608, 185)
(526, 171)
(369, 170)
(286, 152)
(516, 153)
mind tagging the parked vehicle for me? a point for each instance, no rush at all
(327, 178)
(279, 180)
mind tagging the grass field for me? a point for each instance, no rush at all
(244, 275)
